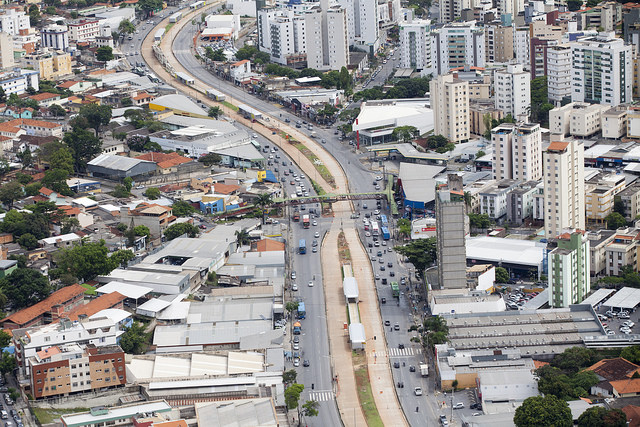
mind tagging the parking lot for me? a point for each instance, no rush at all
(614, 322)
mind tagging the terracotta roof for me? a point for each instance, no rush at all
(44, 96)
(631, 385)
(266, 245)
(633, 415)
(34, 122)
(46, 191)
(38, 176)
(225, 188)
(143, 95)
(4, 138)
(48, 352)
(539, 364)
(164, 160)
(26, 315)
(103, 302)
(8, 127)
(558, 146)
(176, 423)
(614, 369)
(69, 210)
(68, 84)
(239, 63)
(101, 72)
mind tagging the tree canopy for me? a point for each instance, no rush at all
(182, 208)
(96, 115)
(25, 287)
(421, 253)
(87, 260)
(292, 395)
(602, 417)
(134, 339)
(104, 53)
(546, 411)
(83, 145)
(615, 220)
(177, 230)
(405, 133)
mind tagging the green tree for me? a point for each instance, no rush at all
(10, 192)
(5, 339)
(543, 411)
(120, 192)
(631, 353)
(574, 5)
(69, 225)
(7, 363)
(182, 208)
(28, 241)
(291, 306)
(56, 180)
(574, 359)
(57, 111)
(177, 230)
(104, 54)
(126, 27)
(435, 331)
(615, 220)
(214, 112)
(210, 159)
(404, 227)
(128, 183)
(310, 408)
(126, 102)
(599, 416)
(242, 237)
(215, 55)
(152, 193)
(32, 189)
(149, 6)
(134, 339)
(3, 96)
(288, 377)
(4, 166)
(421, 253)
(62, 159)
(23, 178)
(96, 115)
(142, 143)
(34, 15)
(84, 146)
(435, 142)
(246, 52)
(142, 230)
(405, 133)
(25, 158)
(85, 260)
(502, 275)
(292, 395)
(479, 220)
(263, 200)
(25, 287)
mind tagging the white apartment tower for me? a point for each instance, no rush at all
(510, 7)
(12, 21)
(282, 34)
(559, 72)
(450, 10)
(415, 44)
(55, 37)
(450, 105)
(521, 44)
(456, 45)
(602, 70)
(517, 151)
(362, 24)
(512, 89)
(563, 176)
(327, 43)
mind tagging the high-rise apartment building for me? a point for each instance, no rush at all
(13, 20)
(415, 44)
(563, 176)
(55, 37)
(6, 51)
(521, 44)
(456, 45)
(499, 43)
(282, 34)
(512, 91)
(362, 24)
(517, 151)
(569, 270)
(602, 70)
(450, 105)
(452, 226)
(511, 7)
(559, 73)
(450, 10)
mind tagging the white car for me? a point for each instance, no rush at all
(294, 287)
(311, 283)
(367, 234)
(418, 391)
(378, 178)
(316, 234)
(458, 405)
(314, 223)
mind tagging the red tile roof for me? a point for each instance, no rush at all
(46, 191)
(103, 302)
(266, 245)
(239, 63)
(68, 84)
(614, 369)
(633, 415)
(558, 146)
(44, 96)
(225, 188)
(28, 314)
(164, 160)
(33, 122)
(48, 352)
(631, 385)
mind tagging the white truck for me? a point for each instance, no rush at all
(299, 191)
(424, 370)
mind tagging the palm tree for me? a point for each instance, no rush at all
(242, 237)
(264, 200)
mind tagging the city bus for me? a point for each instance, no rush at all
(302, 247)
(302, 313)
(383, 221)
(375, 229)
(385, 233)
(395, 289)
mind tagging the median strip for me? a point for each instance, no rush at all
(320, 167)
(365, 394)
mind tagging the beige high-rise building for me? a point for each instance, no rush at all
(6, 51)
(517, 151)
(450, 10)
(498, 43)
(50, 65)
(450, 105)
(563, 175)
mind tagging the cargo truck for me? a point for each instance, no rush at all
(305, 221)
(424, 370)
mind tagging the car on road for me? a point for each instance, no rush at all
(383, 301)
(294, 287)
(296, 346)
(311, 283)
(396, 327)
(316, 234)
(296, 362)
(417, 391)
(396, 365)
(378, 178)
(367, 234)
(443, 420)
(314, 249)
(412, 368)
(458, 405)
(293, 275)
(314, 243)
(387, 323)
(324, 141)
(314, 223)
(376, 212)
(305, 363)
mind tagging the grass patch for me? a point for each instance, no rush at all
(317, 188)
(343, 251)
(365, 394)
(348, 317)
(90, 290)
(322, 169)
(48, 416)
(168, 27)
(229, 105)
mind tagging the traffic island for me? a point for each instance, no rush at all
(365, 394)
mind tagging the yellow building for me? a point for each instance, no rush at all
(52, 65)
(599, 196)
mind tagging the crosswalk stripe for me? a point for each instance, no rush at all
(321, 396)
(396, 352)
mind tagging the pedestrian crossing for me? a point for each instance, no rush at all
(395, 352)
(321, 395)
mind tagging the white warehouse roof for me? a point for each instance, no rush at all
(511, 251)
(626, 297)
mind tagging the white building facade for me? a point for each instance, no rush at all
(559, 73)
(12, 21)
(517, 151)
(450, 105)
(415, 44)
(456, 45)
(512, 91)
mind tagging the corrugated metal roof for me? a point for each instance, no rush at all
(120, 163)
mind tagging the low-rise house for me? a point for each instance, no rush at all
(156, 217)
(47, 99)
(37, 127)
(166, 162)
(49, 310)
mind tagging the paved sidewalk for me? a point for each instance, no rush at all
(379, 369)
(347, 396)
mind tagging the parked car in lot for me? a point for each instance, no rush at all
(458, 405)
